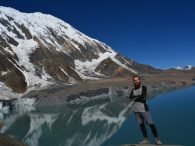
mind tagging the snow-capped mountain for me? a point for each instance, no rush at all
(187, 67)
(38, 49)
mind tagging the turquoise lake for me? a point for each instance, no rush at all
(174, 116)
(105, 121)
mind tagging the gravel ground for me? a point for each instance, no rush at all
(8, 141)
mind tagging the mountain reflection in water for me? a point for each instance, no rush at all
(71, 125)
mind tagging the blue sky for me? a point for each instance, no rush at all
(160, 33)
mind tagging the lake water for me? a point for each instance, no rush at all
(107, 121)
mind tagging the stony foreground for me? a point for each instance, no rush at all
(8, 141)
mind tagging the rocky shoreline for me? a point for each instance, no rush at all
(89, 90)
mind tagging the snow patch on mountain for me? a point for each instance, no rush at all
(6, 92)
(187, 67)
(88, 67)
(23, 50)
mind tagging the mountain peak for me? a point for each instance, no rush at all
(37, 20)
(187, 67)
(39, 49)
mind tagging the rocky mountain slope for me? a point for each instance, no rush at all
(37, 50)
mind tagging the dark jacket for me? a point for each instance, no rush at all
(140, 98)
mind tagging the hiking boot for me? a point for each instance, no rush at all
(144, 141)
(158, 142)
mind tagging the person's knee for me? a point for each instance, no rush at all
(139, 120)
